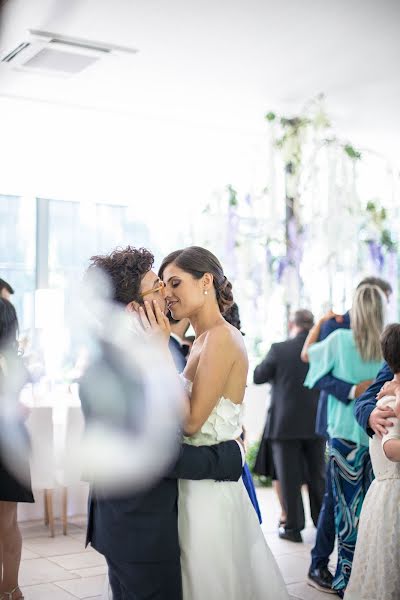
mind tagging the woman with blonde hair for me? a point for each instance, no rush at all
(352, 355)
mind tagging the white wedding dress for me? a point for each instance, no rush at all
(223, 550)
(376, 565)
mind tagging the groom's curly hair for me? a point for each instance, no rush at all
(125, 269)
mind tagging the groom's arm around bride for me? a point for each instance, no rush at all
(221, 462)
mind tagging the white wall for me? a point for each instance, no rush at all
(165, 170)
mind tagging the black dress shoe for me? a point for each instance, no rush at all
(292, 535)
(321, 579)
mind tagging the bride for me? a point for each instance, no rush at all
(223, 550)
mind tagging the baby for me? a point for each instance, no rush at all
(390, 341)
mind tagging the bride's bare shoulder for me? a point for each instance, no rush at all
(225, 334)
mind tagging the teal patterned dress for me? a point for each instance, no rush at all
(350, 462)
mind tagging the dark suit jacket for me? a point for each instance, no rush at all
(143, 527)
(293, 407)
(365, 404)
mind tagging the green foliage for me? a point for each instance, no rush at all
(294, 130)
(351, 152)
(387, 241)
(378, 217)
(232, 195)
(251, 456)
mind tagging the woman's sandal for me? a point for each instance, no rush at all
(9, 595)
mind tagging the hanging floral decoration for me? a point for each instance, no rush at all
(374, 231)
(307, 222)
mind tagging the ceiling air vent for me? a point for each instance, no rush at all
(53, 53)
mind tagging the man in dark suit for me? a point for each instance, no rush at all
(137, 531)
(297, 450)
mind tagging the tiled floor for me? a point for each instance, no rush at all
(61, 569)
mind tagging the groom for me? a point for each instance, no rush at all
(138, 533)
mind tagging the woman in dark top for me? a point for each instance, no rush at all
(12, 490)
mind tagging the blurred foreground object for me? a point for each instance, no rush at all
(131, 398)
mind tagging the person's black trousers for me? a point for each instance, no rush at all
(145, 581)
(296, 462)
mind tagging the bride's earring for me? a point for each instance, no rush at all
(205, 292)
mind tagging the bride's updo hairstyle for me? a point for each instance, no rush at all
(197, 261)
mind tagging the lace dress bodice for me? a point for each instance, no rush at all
(224, 423)
(383, 467)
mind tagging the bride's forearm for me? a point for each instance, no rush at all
(191, 426)
(391, 449)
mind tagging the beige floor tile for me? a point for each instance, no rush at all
(64, 570)
(78, 534)
(309, 534)
(41, 570)
(306, 592)
(86, 587)
(26, 554)
(280, 547)
(294, 567)
(46, 591)
(53, 546)
(35, 529)
(79, 521)
(79, 560)
(91, 571)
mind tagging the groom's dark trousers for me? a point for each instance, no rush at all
(138, 533)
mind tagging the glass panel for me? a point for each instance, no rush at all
(17, 253)
(77, 231)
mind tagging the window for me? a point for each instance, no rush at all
(18, 252)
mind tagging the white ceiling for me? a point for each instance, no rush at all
(226, 62)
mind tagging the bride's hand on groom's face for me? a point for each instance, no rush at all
(154, 321)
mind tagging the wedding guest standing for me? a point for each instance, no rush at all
(376, 572)
(352, 355)
(5, 290)
(298, 452)
(319, 575)
(12, 490)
